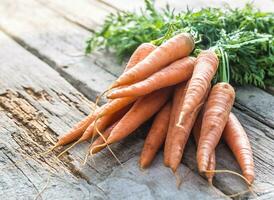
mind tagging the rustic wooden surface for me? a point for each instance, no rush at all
(44, 78)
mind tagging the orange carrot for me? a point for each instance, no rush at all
(77, 131)
(96, 145)
(237, 140)
(141, 111)
(177, 98)
(177, 47)
(196, 133)
(156, 136)
(217, 109)
(139, 54)
(204, 71)
(176, 72)
(103, 123)
(182, 133)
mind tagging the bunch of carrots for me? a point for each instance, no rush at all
(176, 88)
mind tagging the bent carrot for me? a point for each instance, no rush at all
(178, 95)
(204, 71)
(217, 109)
(196, 133)
(177, 47)
(236, 138)
(140, 54)
(176, 72)
(156, 136)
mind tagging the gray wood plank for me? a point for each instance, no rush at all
(256, 103)
(36, 106)
(23, 178)
(88, 13)
(57, 41)
(157, 182)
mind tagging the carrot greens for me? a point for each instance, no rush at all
(242, 37)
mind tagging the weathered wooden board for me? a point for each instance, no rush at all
(87, 13)
(256, 103)
(57, 41)
(37, 105)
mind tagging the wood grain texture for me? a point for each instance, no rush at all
(86, 13)
(58, 42)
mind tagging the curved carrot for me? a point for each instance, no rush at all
(217, 109)
(95, 147)
(237, 140)
(177, 47)
(156, 136)
(177, 98)
(140, 54)
(176, 72)
(143, 109)
(196, 133)
(204, 71)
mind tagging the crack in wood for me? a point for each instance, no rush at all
(35, 138)
(38, 95)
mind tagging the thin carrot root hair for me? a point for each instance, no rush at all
(86, 158)
(230, 172)
(50, 149)
(67, 149)
(101, 95)
(104, 144)
(43, 189)
(242, 192)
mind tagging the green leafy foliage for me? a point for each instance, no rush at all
(243, 38)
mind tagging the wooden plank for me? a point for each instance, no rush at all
(157, 182)
(23, 178)
(57, 41)
(256, 103)
(37, 105)
(262, 142)
(124, 4)
(87, 13)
